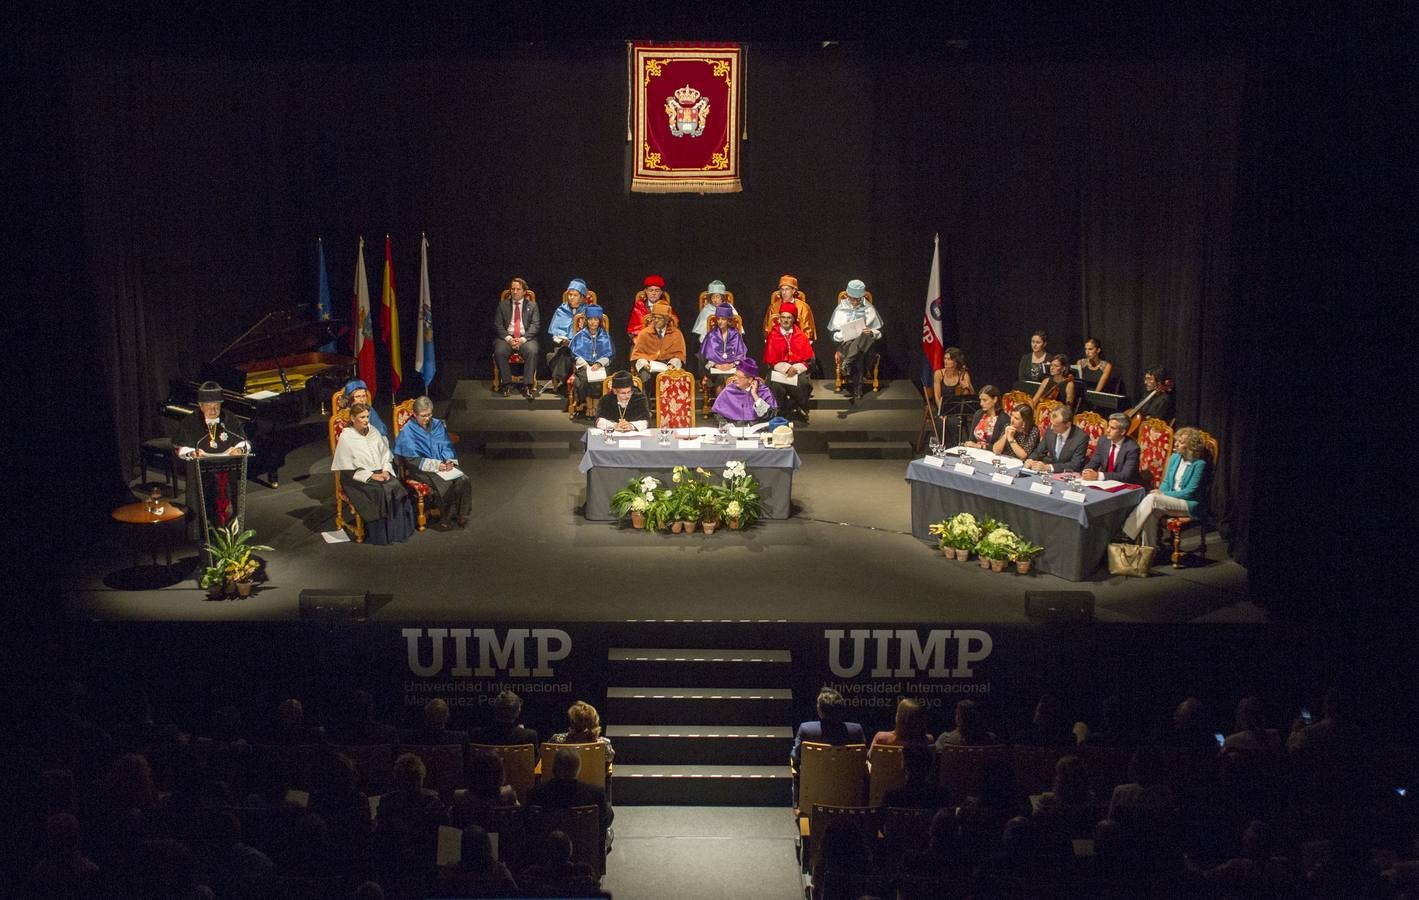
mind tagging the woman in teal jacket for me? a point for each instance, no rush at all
(1180, 492)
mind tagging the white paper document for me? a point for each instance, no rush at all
(853, 329)
(450, 847)
(336, 537)
(726, 369)
(999, 478)
(596, 375)
(629, 443)
(1040, 487)
(261, 395)
(781, 378)
(451, 474)
(690, 444)
(657, 366)
(934, 461)
(985, 456)
(964, 468)
(1075, 496)
(1105, 484)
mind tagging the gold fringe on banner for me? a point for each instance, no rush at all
(744, 92)
(630, 88)
(689, 186)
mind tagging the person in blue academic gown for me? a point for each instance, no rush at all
(591, 354)
(356, 391)
(423, 446)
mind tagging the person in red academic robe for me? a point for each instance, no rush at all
(788, 352)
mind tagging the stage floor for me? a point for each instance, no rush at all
(847, 554)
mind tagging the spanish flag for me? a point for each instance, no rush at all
(389, 319)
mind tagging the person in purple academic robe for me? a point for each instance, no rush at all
(745, 399)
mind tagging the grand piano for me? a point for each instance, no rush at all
(272, 376)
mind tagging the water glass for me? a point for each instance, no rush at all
(724, 437)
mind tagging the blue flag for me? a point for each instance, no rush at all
(322, 300)
(424, 347)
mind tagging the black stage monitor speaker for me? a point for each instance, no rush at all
(1076, 607)
(334, 605)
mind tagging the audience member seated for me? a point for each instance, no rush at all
(236, 868)
(363, 458)
(1145, 810)
(1114, 729)
(920, 791)
(434, 730)
(426, 452)
(125, 814)
(486, 790)
(1020, 854)
(554, 874)
(1333, 736)
(909, 726)
(479, 873)
(828, 728)
(1063, 448)
(945, 859)
(289, 727)
(505, 730)
(623, 407)
(746, 399)
(336, 797)
(970, 728)
(360, 727)
(1115, 455)
(1188, 730)
(563, 791)
(1180, 492)
(584, 727)
(1048, 727)
(1251, 734)
(64, 871)
(406, 826)
(1068, 810)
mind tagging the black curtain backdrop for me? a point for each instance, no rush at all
(1087, 197)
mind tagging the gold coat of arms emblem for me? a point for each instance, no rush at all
(686, 111)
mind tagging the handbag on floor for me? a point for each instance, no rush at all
(1134, 560)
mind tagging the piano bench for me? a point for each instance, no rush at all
(157, 454)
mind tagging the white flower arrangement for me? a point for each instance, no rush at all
(732, 509)
(649, 483)
(642, 503)
(734, 470)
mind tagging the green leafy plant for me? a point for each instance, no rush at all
(636, 495)
(1025, 550)
(231, 549)
(742, 490)
(998, 543)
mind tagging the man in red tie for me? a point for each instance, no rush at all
(1116, 456)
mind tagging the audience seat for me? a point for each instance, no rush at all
(887, 772)
(593, 761)
(444, 763)
(962, 770)
(373, 764)
(519, 765)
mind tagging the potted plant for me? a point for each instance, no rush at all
(691, 492)
(1024, 555)
(986, 526)
(941, 531)
(233, 565)
(998, 546)
(634, 499)
(743, 506)
(660, 510)
(712, 500)
(962, 534)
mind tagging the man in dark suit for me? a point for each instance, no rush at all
(563, 790)
(1116, 455)
(828, 729)
(505, 730)
(516, 324)
(1063, 448)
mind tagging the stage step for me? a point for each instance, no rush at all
(667, 785)
(724, 745)
(705, 706)
(870, 450)
(526, 450)
(709, 745)
(687, 667)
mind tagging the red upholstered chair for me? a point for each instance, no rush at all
(675, 399)
(516, 358)
(338, 423)
(1093, 425)
(805, 313)
(1176, 525)
(403, 414)
(838, 357)
(1010, 399)
(1042, 415)
(1155, 442)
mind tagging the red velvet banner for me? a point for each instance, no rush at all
(685, 118)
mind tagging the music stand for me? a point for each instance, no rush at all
(956, 410)
(198, 467)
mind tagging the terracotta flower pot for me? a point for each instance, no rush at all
(733, 524)
(689, 526)
(217, 593)
(1023, 566)
(948, 552)
(710, 525)
(676, 527)
(243, 588)
(997, 565)
(637, 519)
(984, 562)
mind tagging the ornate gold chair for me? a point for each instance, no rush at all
(675, 399)
(1010, 399)
(1042, 415)
(641, 298)
(338, 423)
(707, 384)
(838, 357)
(1176, 525)
(1093, 425)
(516, 358)
(1155, 442)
